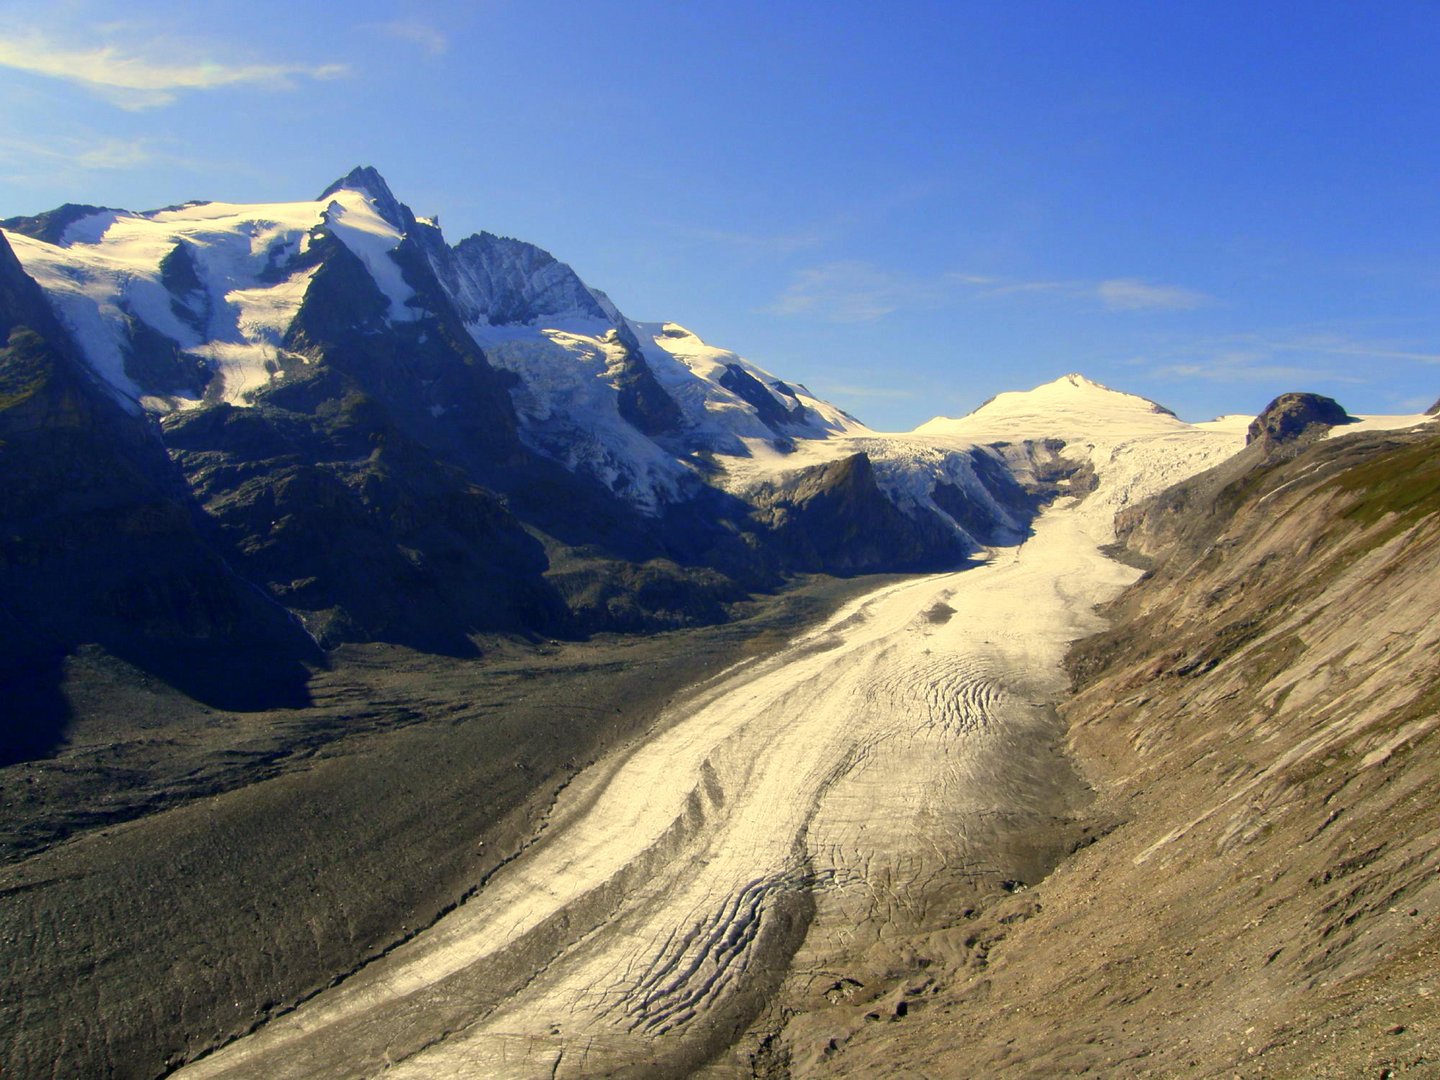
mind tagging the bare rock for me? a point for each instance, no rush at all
(1290, 416)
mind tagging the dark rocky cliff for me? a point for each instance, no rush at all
(100, 544)
(833, 517)
(1293, 416)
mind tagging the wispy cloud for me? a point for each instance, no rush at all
(1415, 404)
(1242, 368)
(1329, 343)
(415, 32)
(1318, 355)
(872, 393)
(853, 291)
(1127, 294)
(93, 155)
(137, 78)
(779, 243)
(987, 287)
(1113, 294)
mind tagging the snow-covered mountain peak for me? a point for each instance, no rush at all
(160, 302)
(1070, 407)
(367, 180)
(195, 303)
(1076, 380)
(359, 221)
(501, 281)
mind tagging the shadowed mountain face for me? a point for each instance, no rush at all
(834, 517)
(344, 495)
(99, 545)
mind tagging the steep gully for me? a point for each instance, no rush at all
(860, 784)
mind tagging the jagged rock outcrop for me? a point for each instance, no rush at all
(834, 517)
(750, 389)
(1293, 416)
(501, 280)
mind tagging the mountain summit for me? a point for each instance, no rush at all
(1071, 406)
(367, 180)
(389, 437)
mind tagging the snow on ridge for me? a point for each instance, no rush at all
(1229, 422)
(355, 220)
(90, 228)
(109, 272)
(84, 298)
(691, 370)
(1070, 407)
(1368, 423)
(569, 408)
(568, 344)
(1135, 447)
(570, 369)
(503, 281)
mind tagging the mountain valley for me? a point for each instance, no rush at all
(409, 663)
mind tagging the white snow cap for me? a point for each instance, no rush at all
(1070, 407)
(107, 271)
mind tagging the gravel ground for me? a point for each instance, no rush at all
(175, 875)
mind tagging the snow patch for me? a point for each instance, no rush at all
(89, 229)
(569, 407)
(1381, 423)
(107, 272)
(110, 272)
(690, 370)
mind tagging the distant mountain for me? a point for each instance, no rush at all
(379, 436)
(368, 434)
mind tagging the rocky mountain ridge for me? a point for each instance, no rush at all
(371, 435)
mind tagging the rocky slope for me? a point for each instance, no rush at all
(1258, 893)
(99, 546)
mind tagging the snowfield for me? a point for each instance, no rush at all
(784, 816)
(108, 271)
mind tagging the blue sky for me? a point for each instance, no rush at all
(907, 207)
